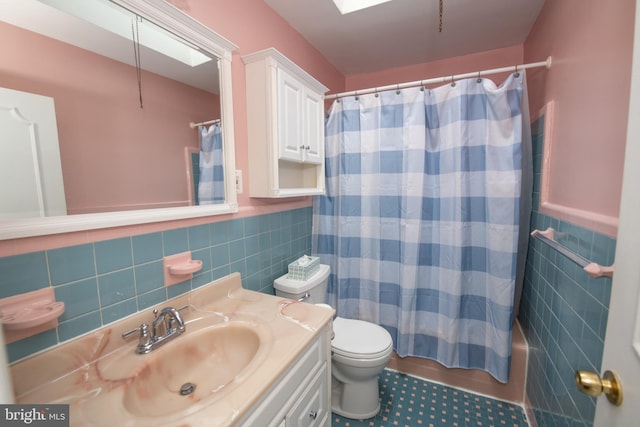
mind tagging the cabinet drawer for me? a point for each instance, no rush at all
(312, 409)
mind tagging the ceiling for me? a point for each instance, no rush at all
(406, 32)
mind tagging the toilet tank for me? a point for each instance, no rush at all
(316, 286)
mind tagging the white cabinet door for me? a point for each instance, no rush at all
(313, 127)
(300, 124)
(290, 117)
(312, 409)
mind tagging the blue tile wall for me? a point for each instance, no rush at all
(105, 281)
(563, 313)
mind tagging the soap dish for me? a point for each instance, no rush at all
(179, 268)
(28, 314)
(32, 315)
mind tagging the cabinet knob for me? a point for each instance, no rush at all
(307, 147)
(302, 147)
(313, 415)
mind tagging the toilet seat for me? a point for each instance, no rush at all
(358, 339)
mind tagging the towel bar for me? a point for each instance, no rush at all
(593, 269)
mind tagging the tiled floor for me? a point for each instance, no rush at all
(408, 401)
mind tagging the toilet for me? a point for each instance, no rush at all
(359, 350)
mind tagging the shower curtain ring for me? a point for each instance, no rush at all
(398, 89)
(356, 95)
(479, 80)
(453, 83)
(376, 92)
(421, 86)
(517, 74)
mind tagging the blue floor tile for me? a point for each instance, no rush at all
(407, 401)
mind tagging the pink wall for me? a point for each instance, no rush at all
(101, 126)
(591, 42)
(589, 81)
(252, 26)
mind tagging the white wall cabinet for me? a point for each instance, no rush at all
(300, 123)
(302, 396)
(286, 127)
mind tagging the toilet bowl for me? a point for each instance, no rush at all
(359, 350)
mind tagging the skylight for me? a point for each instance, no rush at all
(348, 6)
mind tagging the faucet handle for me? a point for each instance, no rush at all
(143, 329)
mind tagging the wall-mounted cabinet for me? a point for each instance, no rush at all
(286, 127)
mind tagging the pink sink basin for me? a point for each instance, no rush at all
(194, 368)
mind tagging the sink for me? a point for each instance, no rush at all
(237, 346)
(194, 367)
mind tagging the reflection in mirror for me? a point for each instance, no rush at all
(137, 110)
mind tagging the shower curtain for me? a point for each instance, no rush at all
(420, 221)
(211, 177)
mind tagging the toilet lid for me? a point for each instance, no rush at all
(360, 339)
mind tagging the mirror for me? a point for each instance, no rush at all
(129, 79)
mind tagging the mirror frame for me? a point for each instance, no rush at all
(179, 23)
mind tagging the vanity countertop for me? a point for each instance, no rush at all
(106, 383)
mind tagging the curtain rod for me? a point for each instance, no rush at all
(194, 125)
(444, 79)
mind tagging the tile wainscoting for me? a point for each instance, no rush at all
(105, 281)
(563, 313)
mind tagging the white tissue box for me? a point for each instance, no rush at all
(301, 270)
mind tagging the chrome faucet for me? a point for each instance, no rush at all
(166, 325)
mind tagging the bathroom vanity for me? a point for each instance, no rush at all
(300, 397)
(245, 359)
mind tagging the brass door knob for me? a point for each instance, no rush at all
(590, 383)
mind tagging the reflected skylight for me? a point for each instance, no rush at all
(348, 6)
(118, 21)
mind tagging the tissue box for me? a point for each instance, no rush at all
(303, 272)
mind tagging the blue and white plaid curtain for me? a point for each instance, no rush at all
(211, 178)
(420, 218)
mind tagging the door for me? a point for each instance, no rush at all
(313, 127)
(29, 152)
(289, 117)
(622, 342)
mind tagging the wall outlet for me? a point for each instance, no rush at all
(239, 181)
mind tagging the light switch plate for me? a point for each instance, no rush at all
(238, 181)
